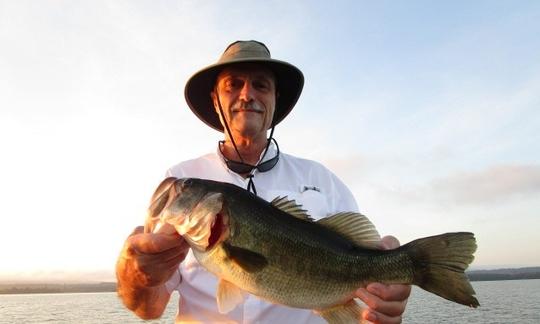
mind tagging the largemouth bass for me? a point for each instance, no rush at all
(274, 250)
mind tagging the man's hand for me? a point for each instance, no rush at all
(386, 303)
(145, 264)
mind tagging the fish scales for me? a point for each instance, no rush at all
(303, 279)
(282, 238)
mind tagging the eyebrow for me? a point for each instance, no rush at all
(259, 75)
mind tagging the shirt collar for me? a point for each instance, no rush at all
(272, 150)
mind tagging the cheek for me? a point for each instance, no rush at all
(270, 113)
(227, 110)
(268, 120)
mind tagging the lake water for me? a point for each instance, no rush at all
(515, 301)
(511, 301)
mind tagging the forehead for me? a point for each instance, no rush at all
(253, 70)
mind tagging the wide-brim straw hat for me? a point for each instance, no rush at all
(289, 81)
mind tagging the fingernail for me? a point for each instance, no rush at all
(373, 288)
(370, 316)
(361, 293)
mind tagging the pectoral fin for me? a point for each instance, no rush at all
(347, 313)
(248, 260)
(228, 296)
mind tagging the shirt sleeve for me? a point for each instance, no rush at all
(174, 281)
(343, 199)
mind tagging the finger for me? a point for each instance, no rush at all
(389, 242)
(379, 318)
(128, 249)
(155, 243)
(172, 264)
(377, 304)
(156, 267)
(389, 292)
(137, 230)
(165, 256)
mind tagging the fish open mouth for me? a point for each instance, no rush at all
(218, 230)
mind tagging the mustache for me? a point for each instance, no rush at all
(250, 106)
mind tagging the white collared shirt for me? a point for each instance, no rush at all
(313, 186)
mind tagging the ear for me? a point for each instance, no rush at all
(213, 96)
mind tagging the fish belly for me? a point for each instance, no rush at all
(304, 286)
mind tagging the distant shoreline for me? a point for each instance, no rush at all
(504, 274)
(54, 288)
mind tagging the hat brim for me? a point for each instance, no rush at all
(290, 82)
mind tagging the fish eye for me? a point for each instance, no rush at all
(187, 182)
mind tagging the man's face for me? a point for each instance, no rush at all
(247, 93)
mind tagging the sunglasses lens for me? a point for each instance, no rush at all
(268, 165)
(239, 167)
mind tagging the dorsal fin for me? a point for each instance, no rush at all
(291, 207)
(355, 227)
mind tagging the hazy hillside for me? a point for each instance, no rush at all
(29, 288)
(44, 288)
(504, 274)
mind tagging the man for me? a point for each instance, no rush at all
(245, 95)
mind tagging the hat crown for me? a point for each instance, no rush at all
(245, 50)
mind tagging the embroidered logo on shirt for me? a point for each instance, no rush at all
(306, 188)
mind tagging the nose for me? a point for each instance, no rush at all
(246, 93)
(183, 184)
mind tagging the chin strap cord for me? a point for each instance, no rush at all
(251, 185)
(227, 128)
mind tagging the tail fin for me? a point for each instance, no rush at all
(439, 265)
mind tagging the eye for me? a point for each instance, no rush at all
(187, 183)
(261, 85)
(232, 84)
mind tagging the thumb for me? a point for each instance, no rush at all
(137, 230)
(389, 242)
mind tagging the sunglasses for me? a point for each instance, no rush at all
(242, 168)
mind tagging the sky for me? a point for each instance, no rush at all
(429, 112)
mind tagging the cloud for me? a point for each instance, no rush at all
(492, 185)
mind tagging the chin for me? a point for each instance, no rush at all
(247, 128)
(249, 131)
